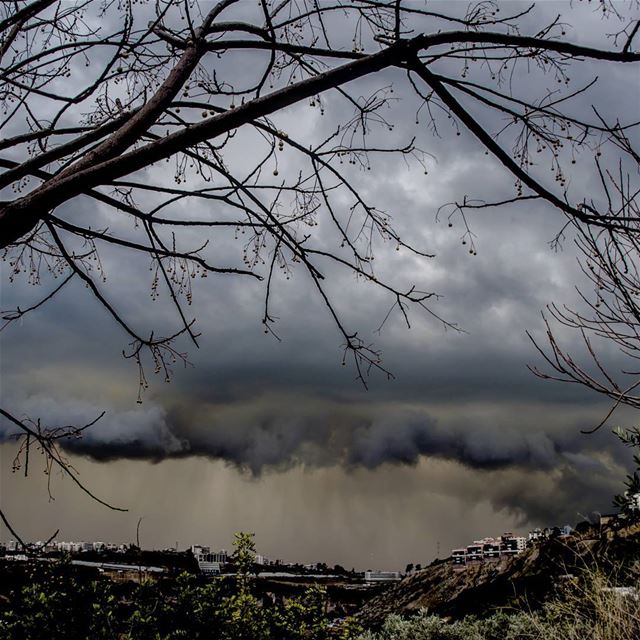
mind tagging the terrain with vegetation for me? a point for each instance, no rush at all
(581, 586)
(525, 581)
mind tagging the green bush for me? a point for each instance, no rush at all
(57, 604)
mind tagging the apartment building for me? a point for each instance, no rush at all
(488, 548)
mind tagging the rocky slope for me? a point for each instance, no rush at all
(526, 579)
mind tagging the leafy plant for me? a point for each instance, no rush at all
(58, 603)
(629, 501)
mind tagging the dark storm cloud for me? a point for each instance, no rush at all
(404, 438)
(261, 438)
(356, 439)
(538, 473)
(141, 432)
(570, 494)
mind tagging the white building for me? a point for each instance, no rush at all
(474, 553)
(511, 545)
(206, 560)
(209, 568)
(634, 501)
(459, 556)
(199, 549)
(535, 534)
(382, 576)
(488, 549)
(222, 556)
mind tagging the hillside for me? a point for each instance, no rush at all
(524, 579)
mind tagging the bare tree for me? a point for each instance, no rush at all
(609, 311)
(609, 314)
(96, 95)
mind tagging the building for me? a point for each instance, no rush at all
(474, 553)
(223, 557)
(208, 567)
(491, 549)
(535, 535)
(198, 549)
(633, 501)
(382, 576)
(511, 545)
(206, 560)
(488, 549)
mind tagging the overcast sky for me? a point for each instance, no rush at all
(280, 439)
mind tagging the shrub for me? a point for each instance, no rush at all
(588, 608)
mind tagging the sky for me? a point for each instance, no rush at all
(277, 437)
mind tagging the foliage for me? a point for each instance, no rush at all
(56, 604)
(303, 617)
(244, 558)
(629, 501)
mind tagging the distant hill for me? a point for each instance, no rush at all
(526, 579)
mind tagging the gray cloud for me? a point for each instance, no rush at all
(133, 433)
(268, 434)
(565, 496)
